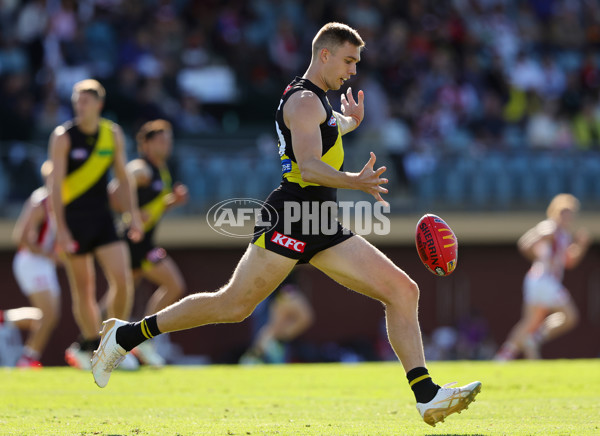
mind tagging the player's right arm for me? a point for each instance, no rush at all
(140, 176)
(578, 248)
(59, 147)
(534, 242)
(303, 114)
(24, 232)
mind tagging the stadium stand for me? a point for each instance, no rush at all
(484, 105)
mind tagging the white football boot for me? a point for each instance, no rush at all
(109, 354)
(448, 401)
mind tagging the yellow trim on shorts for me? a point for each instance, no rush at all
(146, 265)
(260, 241)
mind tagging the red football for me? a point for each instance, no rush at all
(436, 244)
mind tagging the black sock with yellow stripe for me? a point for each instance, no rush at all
(420, 382)
(133, 334)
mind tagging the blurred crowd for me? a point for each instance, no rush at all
(451, 77)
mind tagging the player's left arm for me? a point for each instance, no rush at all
(140, 175)
(136, 228)
(178, 197)
(353, 111)
(24, 232)
(578, 248)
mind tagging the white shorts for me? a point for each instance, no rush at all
(35, 273)
(544, 290)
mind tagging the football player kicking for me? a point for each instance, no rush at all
(311, 152)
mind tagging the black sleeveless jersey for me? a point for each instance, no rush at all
(332, 154)
(88, 162)
(151, 198)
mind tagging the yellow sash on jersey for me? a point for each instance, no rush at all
(83, 178)
(334, 157)
(155, 208)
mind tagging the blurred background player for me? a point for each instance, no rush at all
(289, 315)
(82, 151)
(156, 194)
(34, 267)
(11, 321)
(548, 309)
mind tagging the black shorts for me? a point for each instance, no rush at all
(144, 254)
(308, 233)
(91, 229)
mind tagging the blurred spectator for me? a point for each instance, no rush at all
(526, 74)
(442, 344)
(50, 114)
(586, 126)
(490, 126)
(192, 119)
(590, 74)
(542, 129)
(474, 339)
(284, 48)
(554, 82)
(420, 53)
(397, 139)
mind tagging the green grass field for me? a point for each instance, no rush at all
(518, 398)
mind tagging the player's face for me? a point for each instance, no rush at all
(161, 145)
(86, 106)
(341, 65)
(566, 218)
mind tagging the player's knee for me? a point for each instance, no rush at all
(410, 289)
(402, 291)
(240, 313)
(50, 317)
(240, 309)
(233, 308)
(177, 289)
(571, 318)
(123, 283)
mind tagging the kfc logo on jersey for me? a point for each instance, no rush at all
(332, 121)
(287, 242)
(287, 89)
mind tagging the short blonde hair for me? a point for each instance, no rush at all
(151, 128)
(560, 203)
(89, 85)
(333, 35)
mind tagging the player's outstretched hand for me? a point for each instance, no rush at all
(351, 108)
(583, 237)
(136, 228)
(65, 242)
(369, 180)
(181, 193)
